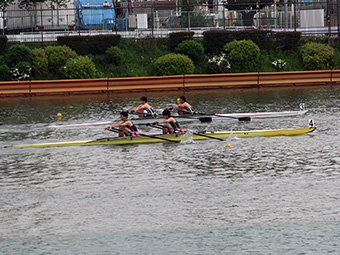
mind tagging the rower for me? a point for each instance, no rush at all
(171, 124)
(126, 127)
(144, 109)
(183, 107)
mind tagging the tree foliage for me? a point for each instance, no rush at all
(5, 3)
(27, 4)
(114, 55)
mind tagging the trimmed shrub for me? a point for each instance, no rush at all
(58, 56)
(173, 64)
(114, 55)
(79, 68)
(18, 53)
(177, 38)
(39, 62)
(214, 40)
(243, 55)
(194, 50)
(5, 73)
(317, 56)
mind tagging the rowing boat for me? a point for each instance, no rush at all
(145, 139)
(221, 117)
(196, 117)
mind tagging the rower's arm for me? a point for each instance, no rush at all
(139, 108)
(119, 125)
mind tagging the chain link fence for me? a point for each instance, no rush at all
(158, 18)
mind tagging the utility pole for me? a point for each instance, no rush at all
(286, 14)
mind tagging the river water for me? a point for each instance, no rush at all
(276, 195)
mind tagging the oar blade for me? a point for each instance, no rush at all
(244, 119)
(209, 119)
(205, 119)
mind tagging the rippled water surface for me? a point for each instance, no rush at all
(276, 195)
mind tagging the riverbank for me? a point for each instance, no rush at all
(163, 83)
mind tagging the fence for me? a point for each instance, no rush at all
(178, 82)
(151, 17)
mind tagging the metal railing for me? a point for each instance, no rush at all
(178, 82)
(159, 18)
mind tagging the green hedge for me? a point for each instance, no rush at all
(177, 38)
(3, 44)
(214, 40)
(85, 45)
(287, 40)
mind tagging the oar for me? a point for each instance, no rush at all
(209, 119)
(137, 133)
(147, 114)
(185, 111)
(208, 136)
(182, 130)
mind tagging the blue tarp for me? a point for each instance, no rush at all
(94, 14)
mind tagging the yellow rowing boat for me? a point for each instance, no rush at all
(174, 138)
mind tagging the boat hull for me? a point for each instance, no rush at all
(221, 117)
(195, 118)
(174, 138)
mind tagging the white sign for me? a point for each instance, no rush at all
(142, 21)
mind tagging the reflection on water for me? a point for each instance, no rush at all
(260, 196)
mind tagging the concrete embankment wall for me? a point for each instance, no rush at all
(177, 82)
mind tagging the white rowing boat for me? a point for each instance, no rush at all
(195, 118)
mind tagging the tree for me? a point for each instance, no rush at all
(30, 3)
(5, 3)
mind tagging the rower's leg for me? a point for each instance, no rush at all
(167, 129)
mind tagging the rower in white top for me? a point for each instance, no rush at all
(144, 109)
(183, 107)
